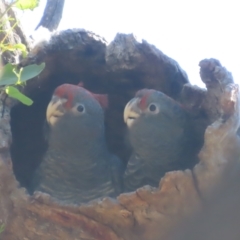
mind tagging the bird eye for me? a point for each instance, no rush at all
(80, 108)
(152, 107)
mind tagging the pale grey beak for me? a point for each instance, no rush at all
(55, 109)
(131, 112)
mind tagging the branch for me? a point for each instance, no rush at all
(52, 15)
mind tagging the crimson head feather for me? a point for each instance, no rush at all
(68, 91)
(101, 98)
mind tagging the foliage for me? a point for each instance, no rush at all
(26, 4)
(10, 74)
(2, 227)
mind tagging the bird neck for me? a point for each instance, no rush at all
(87, 143)
(156, 141)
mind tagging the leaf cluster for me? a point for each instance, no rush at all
(10, 75)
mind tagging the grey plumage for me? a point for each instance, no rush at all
(161, 137)
(77, 166)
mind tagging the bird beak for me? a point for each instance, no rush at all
(131, 112)
(55, 109)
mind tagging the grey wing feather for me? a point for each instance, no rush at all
(134, 174)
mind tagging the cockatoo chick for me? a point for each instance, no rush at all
(160, 134)
(77, 166)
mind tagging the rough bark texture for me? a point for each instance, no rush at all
(118, 69)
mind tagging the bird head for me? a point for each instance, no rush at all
(74, 113)
(153, 106)
(155, 123)
(71, 100)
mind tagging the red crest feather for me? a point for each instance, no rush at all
(101, 98)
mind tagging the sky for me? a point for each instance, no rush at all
(185, 30)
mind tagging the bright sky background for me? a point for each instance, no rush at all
(185, 30)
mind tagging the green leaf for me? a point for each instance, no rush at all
(10, 47)
(9, 77)
(31, 71)
(21, 47)
(15, 93)
(26, 4)
(2, 227)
